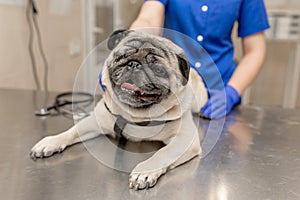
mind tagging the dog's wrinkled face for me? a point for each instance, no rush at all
(142, 67)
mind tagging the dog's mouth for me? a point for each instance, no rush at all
(132, 89)
(139, 97)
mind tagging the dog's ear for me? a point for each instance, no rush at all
(116, 37)
(184, 67)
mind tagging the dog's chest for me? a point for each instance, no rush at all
(140, 132)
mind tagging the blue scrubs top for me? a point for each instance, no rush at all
(209, 23)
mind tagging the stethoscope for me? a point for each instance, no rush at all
(78, 99)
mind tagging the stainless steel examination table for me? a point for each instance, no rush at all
(257, 156)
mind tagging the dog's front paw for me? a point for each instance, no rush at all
(143, 180)
(47, 147)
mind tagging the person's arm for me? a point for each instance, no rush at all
(254, 50)
(151, 15)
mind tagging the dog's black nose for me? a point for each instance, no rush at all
(134, 65)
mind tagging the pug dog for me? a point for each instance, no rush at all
(150, 95)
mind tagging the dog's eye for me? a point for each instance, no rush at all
(159, 70)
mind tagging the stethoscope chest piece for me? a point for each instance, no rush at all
(42, 112)
(67, 98)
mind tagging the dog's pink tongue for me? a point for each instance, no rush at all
(132, 87)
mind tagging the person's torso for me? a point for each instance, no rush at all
(209, 23)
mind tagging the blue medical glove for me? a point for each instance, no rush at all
(221, 102)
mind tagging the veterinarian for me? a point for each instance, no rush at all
(210, 23)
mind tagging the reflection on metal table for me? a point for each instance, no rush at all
(256, 157)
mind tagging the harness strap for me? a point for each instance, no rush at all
(121, 123)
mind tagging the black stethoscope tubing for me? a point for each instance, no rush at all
(60, 103)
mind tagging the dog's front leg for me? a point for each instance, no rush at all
(182, 147)
(86, 129)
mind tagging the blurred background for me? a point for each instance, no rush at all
(69, 29)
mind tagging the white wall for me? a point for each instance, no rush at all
(58, 30)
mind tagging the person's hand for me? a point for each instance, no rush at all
(221, 102)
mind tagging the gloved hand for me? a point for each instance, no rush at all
(221, 102)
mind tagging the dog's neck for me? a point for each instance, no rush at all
(121, 123)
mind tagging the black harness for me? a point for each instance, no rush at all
(121, 123)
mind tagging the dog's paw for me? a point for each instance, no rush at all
(47, 147)
(144, 180)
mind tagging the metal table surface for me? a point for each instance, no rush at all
(256, 157)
